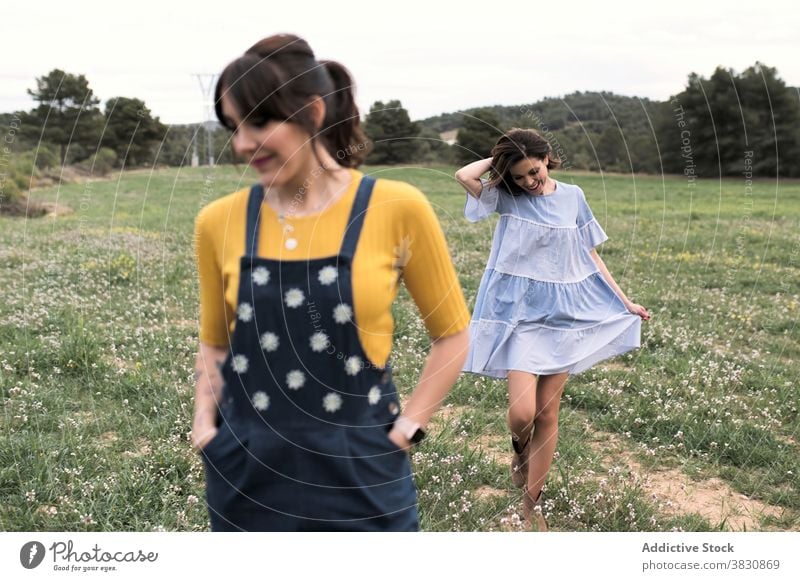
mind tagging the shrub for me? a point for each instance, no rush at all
(10, 192)
(47, 157)
(15, 179)
(102, 162)
(23, 169)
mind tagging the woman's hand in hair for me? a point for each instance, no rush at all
(469, 176)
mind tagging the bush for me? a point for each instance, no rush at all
(10, 192)
(75, 154)
(47, 157)
(15, 179)
(23, 169)
(102, 162)
(432, 149)
(477, 136)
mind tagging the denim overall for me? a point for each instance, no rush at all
(302, 442)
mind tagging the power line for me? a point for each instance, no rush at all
(207, 82)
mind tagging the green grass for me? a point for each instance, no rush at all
(98, 335)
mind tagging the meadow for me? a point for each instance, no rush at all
(697, 430)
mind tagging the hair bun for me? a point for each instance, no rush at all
(280, 46)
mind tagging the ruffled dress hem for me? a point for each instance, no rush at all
(514, 347)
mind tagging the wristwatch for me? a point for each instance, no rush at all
(410, 429)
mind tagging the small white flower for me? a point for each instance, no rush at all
(342, 314)
(374, 395)
(294, 298)
(269, 341)
(245, 312)
(261, 276)
(295, 379)
(260, 401)
(332, 402)
(319, 342)
(240, 364)
(327, 275)
(352, 365)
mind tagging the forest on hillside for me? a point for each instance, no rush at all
(727, 124)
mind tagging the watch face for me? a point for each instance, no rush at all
(418, 436)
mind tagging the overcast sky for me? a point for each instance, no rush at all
(434, 56)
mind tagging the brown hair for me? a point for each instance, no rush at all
(513, 146)
(275, 79)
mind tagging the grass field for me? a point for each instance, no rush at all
(697, 430)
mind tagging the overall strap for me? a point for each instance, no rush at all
(253, 211)
(357, 214)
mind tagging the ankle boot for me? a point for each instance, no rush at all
(534, 512)
(519, 463)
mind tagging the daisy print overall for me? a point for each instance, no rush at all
(302, 442)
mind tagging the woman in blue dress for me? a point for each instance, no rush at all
(547, 306)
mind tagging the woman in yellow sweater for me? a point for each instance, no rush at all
(296, 413)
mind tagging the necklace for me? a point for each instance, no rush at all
(290, 242)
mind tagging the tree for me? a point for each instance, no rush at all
(433, 149)
(611, 149)
(176, 149)
(131, 131)
(477, 136)
(717, 123)
(67, 112)
(392, 132)
(772, 117)
(222, 146)
(643, 153)
(101, 162)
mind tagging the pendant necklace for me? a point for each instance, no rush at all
(290, 242)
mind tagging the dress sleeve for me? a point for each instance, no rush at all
(478, 209)
(213, 328)
(428, 271)
(591, 233)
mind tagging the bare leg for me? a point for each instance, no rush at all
(521, 410)
(545, 435)
(521, 404)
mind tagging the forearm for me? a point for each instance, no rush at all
(469, 176)
(208, 385)
(442, 369)
(610, 279)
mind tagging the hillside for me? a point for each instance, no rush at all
(589, 130)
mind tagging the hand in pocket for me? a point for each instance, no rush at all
(202, 435)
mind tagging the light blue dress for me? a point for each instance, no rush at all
(543, 306)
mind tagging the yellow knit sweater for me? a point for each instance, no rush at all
(401, 238)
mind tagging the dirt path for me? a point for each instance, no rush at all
(676, 493)
(673, 491)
